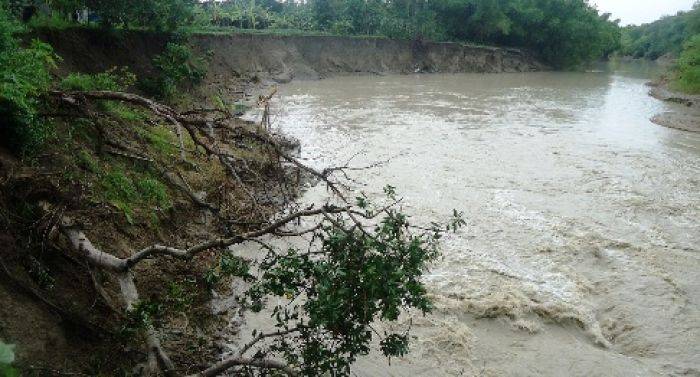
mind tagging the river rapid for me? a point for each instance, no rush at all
(581, 253)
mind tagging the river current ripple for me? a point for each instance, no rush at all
(580, 257)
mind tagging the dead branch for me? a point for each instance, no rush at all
(200, 129)
(181, 185)
(105, 297)
(234, 361)
(158, 359)
(221, 243)
(262, 336)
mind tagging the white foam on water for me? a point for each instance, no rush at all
(581, 252)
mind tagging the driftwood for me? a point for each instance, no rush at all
(199, 124)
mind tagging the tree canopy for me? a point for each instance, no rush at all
(566, 33)
(688, 74)
(661, 37)
(678, 36)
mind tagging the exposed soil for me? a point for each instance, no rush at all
(63, 315)
(685, 114)
(283, 58)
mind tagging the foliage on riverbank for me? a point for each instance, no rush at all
(120, 214)
(24, 78)
(675, 36)
(661, 37)
(567, 33)
(687, 77)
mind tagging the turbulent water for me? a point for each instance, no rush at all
(581, 255)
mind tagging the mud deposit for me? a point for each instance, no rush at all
(581, 257)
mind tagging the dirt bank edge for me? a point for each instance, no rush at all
(283, 58)
(684, 113)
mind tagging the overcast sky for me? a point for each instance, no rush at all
(641, 11)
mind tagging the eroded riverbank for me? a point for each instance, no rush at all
(232, 58)
(683, 112)
(581, 253)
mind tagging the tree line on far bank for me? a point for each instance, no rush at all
(663, 36)
(678, 36)
(566, 33)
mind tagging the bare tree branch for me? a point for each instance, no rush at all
(200, 128)
(262, 336)
(234, 361)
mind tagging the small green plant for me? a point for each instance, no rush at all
(120, 191)
(49, 21)
(7, 357)
(229, 266)
(154, 192)
(161, 138)
(114, 80)
(126, 112)
(176, 66)
(40, 274)
(180, 295)
(145, 313)
(86, 161)
(131, 196)
(233, 108)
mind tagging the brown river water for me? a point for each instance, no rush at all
(582, 252)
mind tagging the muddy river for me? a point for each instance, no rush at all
(582, 251)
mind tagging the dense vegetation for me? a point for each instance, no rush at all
(678, 36)
(566, 33)
(687, 76)
(661, 37)
(141, 171)
(24, 77)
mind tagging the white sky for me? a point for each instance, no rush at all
(641, 11)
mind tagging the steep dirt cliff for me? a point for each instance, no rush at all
(283, 58)
(683, 112)
(312, 57)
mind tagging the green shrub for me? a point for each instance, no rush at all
(120, 191)
(113, 79)
(86, 161)
(128, 195)
(24, 78)
(688, 79)
(51, 21)
(176, 66)
(7, 357)
(154, 192)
